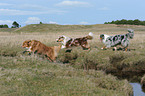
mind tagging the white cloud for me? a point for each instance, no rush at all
(5, 4)
(8, 22)
(20, 12)
(104, 9)
(84, 23)
(52, 22)
(32, 7)
(73, 3)
(32, 20)
(17, 12)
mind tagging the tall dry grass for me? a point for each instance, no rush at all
(32, 75)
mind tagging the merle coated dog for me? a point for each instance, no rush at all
(113, 41)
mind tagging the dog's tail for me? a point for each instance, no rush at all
(90, 36)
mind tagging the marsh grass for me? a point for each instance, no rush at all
(77, 73)
(28, 75)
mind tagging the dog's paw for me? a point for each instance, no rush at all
(103, 48)
(113, 49)
(29, 53)
(24, 52)
(68, 50)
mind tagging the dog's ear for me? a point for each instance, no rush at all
(63, 36)
(130, 30)
(29, 41)
(102, 36)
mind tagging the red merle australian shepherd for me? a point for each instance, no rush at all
(68, 42)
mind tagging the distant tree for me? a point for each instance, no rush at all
(4, 26)
(1, 26)
(113, 22)
(143, 23)
(136, 22)
(130, 22)
(106, 23)
(123, 21)
(117, 22)
(41, 23)
(15, 25)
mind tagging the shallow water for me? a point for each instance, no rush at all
(137, 89)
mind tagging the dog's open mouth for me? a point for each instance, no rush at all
(58, 40)
(101, 39)
(26, 47)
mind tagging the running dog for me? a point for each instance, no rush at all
(68, 42)
(113, 41)
(34, 46)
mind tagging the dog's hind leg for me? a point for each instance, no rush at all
(85, 46)
(125, 44)
(50, 59)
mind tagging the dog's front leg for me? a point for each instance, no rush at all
(126, 49)
(49, 59)
(24, 51)
(114, 48)
(29, 53)
(104, 47)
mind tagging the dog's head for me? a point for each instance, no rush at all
(61, 38)
(102, 37)
(131, 33)
(26, 44)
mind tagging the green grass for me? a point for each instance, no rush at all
(7, 29)
(30, 75)
(45, 28)
(77, 73)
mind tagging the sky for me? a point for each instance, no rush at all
(69, 12)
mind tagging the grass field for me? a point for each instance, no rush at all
(79, 73)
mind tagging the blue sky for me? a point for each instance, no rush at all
(69, 11)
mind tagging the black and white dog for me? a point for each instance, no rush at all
(113, 41)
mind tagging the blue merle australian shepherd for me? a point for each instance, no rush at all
(113, 41)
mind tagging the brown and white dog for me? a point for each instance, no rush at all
(34, 46)
(68, 42)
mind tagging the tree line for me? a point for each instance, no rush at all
(14, 25)
(128, 22)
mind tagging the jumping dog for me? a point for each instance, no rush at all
(113, 41)
(68, 42)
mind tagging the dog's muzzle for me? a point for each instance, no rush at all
(57, 40)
